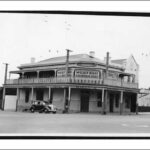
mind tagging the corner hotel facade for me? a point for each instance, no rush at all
(75, 83)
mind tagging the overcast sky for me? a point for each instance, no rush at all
(23, 36)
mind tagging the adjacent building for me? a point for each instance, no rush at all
(76, 83)
(144, 98)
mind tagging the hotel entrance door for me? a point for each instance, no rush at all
(84, 101)
(111, 103)
(39, 94)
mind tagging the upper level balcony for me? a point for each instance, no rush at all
(72, 80)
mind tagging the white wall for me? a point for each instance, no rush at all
(10, 102)
(132, 67)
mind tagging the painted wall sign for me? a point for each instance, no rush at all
(112, 75)
(86, 74)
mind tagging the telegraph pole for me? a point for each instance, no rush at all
(67, 61)
(66, 91)
(106, 92)
(107, 63)
(4, 90)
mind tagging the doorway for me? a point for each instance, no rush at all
(133, 103)
(111, 102)
(84, 101)
(39, 94)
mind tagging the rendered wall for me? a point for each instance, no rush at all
(58, 98)
(21, 103)
(75, 100)
(93, 107)
(58, 101)
(26, 105)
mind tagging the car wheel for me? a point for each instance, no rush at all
(46, 111)
(54, 112)
(32, 110)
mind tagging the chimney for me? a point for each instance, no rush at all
(32, 60)
(92, 54)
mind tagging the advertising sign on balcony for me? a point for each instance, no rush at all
(62, 73)
(112, 75)
(86, 74)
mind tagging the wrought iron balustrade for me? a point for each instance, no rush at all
(73, 80)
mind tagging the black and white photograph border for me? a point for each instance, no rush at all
(16, 122)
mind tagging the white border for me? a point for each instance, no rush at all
(75, 144)
(132, 6)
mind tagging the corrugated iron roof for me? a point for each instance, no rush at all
(72, 59)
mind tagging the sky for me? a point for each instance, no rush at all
(43, 36)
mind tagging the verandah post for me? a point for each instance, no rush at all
(18, 97)
(103, 101)
(121, 102)
(136, 111)
(49, 94)
(69, 97)
(32, 93)
(65, 97)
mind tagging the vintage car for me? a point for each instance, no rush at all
(42, 106)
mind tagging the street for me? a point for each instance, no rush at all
(26, 123)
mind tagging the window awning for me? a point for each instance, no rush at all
(124, 74)
(16, 72)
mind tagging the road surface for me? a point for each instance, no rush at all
(25, 123)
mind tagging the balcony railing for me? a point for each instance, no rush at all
(113, 82)
(72, 80)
